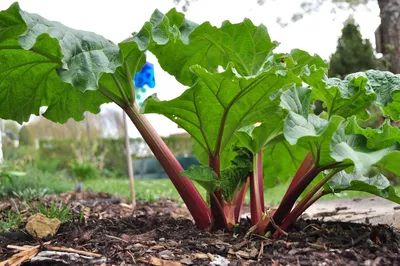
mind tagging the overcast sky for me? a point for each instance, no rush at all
(117, 19)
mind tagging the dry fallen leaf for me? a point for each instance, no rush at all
(200, 256)
(243, 254)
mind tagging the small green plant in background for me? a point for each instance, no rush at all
(10, 220)
(6, 172)
(62, 212)
(33, 183)
(30, 193)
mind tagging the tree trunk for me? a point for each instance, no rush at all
(390, 32)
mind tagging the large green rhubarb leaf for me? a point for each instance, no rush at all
(307, 129)
(379, 138)
(386, 85)
(344, 98)
(331, 139)
(356, 92)
(11, 23)
(244, 44)
(297, 61)
(377, 185)
(354, 148)
(220, 103)
(85, 55)
(44, 63)
(391, 162)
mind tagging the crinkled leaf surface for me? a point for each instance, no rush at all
(203, 175)
(362, 147)
(377, 185)
(344, 98)
(304, 129)
(85, 55)
(356, 92)
(220, 103)
(30, 81)
(297, 61)
(32, 62)
(379, 138)
(354, 148)
(386, 85)
(244, 44)
(234, 176)
(302, 60)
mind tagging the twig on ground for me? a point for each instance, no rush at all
(116, 238)
(271, 220)
(71, 250)
(261, 250)
(357, 240)
(22, 256)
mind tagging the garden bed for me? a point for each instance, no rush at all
(162, 233)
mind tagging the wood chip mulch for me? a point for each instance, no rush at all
(162, 233)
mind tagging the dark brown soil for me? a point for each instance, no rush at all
(162, 233)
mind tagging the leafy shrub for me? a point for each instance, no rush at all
(49, 165)
(9, 220)
(86, 170)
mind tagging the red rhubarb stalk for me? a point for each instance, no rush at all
(257, 189)
(239, 200)
(216, 203)
(285, 225)
(229, 212)
(300, 207)
(293, 194)
(190, 195)
(305, 166)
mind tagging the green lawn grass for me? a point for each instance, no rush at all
(155, 189)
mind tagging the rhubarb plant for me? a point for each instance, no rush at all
(249, 110)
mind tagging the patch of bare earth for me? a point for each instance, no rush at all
(162, 233)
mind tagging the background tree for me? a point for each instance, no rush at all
(353, 53)
(388, 33)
